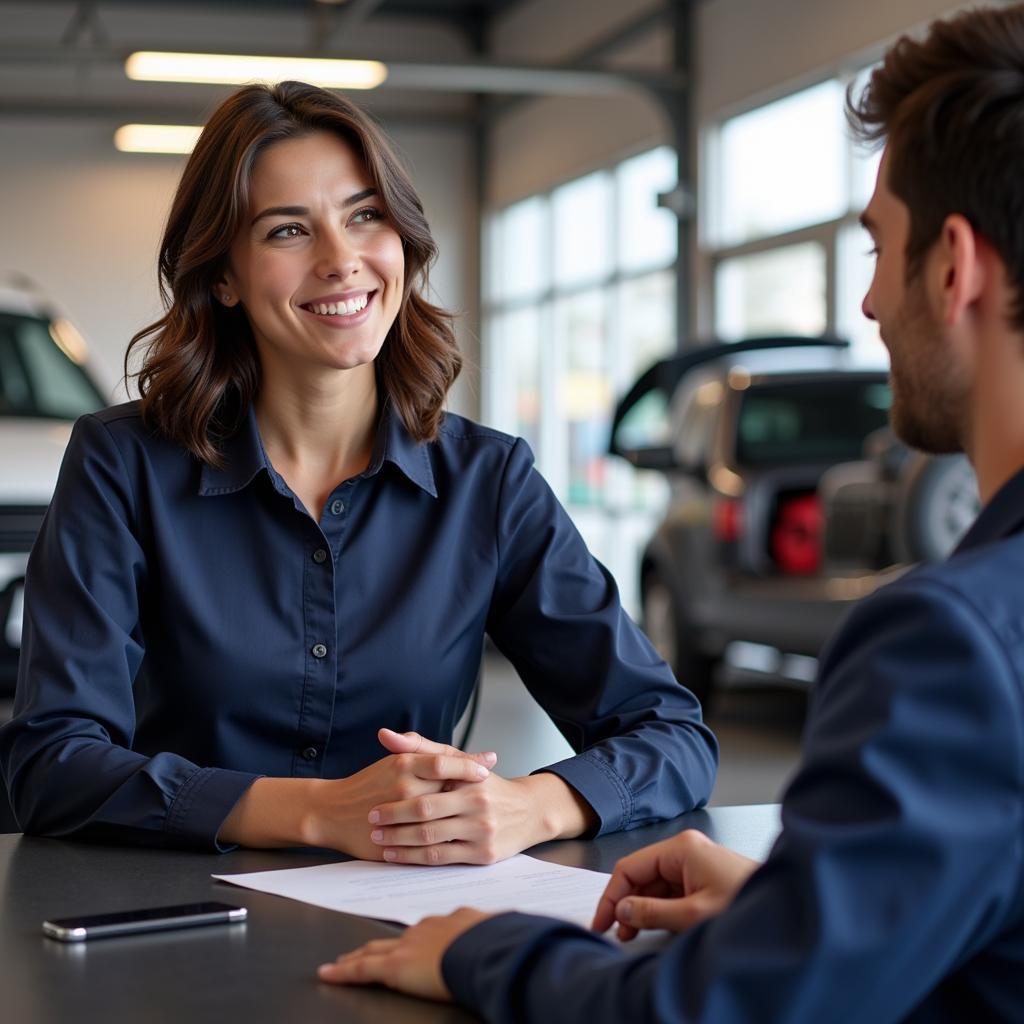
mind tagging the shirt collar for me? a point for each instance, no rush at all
(1001, 517)
(395, 445)
(244, 456)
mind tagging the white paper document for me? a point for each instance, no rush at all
(407, 893)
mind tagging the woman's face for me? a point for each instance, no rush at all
(317, 266)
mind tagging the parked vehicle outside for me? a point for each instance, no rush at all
(780, 517)
(45, 384)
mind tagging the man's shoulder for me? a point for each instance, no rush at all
(988, 578)
(971, 600)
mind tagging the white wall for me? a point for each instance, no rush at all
(84, 221)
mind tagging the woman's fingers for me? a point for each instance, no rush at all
(454, 852)
(427, 807)
(428, 833)
(414, 743)
(443, 767)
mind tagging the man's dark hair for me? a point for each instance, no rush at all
(952, 108)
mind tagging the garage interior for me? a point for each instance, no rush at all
(609, 185)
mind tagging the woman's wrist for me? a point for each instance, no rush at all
(559, 811)
(273, 812)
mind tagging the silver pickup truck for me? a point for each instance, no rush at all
(787, 505)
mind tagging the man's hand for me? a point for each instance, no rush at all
(477, 823)
(674, 884)
(410, 963)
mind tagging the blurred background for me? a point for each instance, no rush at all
(611, 185)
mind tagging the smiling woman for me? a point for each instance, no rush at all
(257, 606)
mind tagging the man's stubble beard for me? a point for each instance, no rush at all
(929, 396)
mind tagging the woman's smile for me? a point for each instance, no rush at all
(341, 312)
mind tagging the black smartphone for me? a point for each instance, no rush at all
(150, 919)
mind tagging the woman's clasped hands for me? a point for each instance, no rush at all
(426, 803)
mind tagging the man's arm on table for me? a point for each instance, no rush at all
(876, 885)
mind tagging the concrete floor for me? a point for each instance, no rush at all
(758, 727)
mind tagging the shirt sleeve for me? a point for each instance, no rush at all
(66, 754)
(643, 751)
(899, 860)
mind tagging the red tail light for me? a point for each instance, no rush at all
(796, 536)
(728, 520)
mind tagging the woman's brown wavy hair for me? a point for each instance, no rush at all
(200, 369)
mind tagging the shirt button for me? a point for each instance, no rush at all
(319, 556)
(337, 507)
(310, 753)
(319, 651)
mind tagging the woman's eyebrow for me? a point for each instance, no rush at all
(302, 211)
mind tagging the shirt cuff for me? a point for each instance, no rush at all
(493, 951)
(205, 799)
(601, 786)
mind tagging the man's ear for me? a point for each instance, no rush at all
(960, 268)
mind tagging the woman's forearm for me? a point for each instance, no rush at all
(274, 812)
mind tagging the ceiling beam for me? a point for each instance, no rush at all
(435, 76)
(353, 14)
(121, 111)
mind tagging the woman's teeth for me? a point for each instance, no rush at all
(340, 308)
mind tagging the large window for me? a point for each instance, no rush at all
(784, 185)
(579, 300)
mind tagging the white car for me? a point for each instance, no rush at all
(45, 385)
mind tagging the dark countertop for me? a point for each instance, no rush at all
(263, 971)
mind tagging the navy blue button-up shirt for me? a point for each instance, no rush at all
(896, 889)
(188, 629)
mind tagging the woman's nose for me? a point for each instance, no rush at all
(336, 257)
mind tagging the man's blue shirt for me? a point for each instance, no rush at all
(190, 628)
(896, 889)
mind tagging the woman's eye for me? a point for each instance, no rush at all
(286, 231)
(873, 252)
(367, 214)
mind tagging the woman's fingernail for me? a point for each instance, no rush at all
(377, 835)
(390, 855)
(374, 817)
(481, 772)
(324, 969)
(624, 911)
(491, 757)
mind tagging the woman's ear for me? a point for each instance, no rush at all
(223, 291)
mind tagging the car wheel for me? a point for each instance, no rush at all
(936, 501)
(674, 639)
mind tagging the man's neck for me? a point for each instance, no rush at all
(996, 441)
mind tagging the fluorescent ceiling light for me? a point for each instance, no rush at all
(236, 69)
(156, 138)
